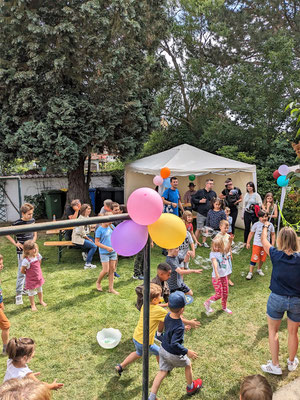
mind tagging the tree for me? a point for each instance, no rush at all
(75, 76)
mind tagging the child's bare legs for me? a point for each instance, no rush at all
(40, 296)
(5, 336)
(105, 269)
(259, 265)
(129, 359)
(252, 265)
(230, 281)
(189, 374)
(158, 380)
(112, 266)
(32, 303)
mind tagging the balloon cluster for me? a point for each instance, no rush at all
(163, 178)
(145, 207)
(280, 175)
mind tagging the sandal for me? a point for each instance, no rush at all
(119, 369)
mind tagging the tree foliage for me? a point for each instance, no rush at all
(75, 76)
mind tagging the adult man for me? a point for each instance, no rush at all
(187, 198)
(171, 198)
(72, 212)
(202, 199)
(232, 196)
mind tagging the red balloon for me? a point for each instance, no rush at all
(276, 174)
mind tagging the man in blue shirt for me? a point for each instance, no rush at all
(171, 198)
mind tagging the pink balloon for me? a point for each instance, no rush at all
(145, 206)
(158, 180)
(128, 238)
(283, 169)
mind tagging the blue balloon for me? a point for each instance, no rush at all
(282, 181)
(167, 183)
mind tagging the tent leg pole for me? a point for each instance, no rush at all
(146, 301)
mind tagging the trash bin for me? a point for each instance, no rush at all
(92, 193)
(53, 203)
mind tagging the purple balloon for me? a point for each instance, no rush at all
(129, 238)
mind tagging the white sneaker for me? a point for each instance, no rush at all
(249, 276)
(19, 300)
(208, 308)
(292, 365)
(227, 310)
(205, 245)
(259, 271)
(269, 368)
(90, 266)
(84, 255)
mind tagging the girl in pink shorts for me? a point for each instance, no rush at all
(31, 267)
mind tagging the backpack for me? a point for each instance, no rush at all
(231, 198)
(193, 203)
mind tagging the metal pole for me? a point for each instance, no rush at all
(42, 226)
(20, 194)
(146, 302)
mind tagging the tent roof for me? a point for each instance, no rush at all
(184, 160)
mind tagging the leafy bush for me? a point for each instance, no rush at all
(37, 200)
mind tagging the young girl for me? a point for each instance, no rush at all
(270, 207)
(31, 267)
(187, 217)
(216, 214)
(108, 256)
(221, 270)
(229, 219)
(227, 240)
(20, 352)
(255, 387)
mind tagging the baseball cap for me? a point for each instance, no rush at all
(177, 300)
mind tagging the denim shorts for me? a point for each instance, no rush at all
(277, 305)
(108, 257)
(153, 348)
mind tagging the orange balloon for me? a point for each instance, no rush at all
(165, 172)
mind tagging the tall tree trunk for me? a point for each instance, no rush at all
(77, 186)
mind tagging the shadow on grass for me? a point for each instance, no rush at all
(81, 283)
(263, 332)
(119, 389)
(75, 300)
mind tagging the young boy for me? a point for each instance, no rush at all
(258, 253)
(26, 218)
(156, 322)
(176, 282)
(163, 274)
(4, 322)
(172, 353)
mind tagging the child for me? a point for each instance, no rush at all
(4, 322)
(107, 207)
(27, 214)
(163, 274)
(184, 253)
(258, 253)
(108, 256)
(216, 214)
(156, 322)
(187, 217)
(176, 282)
(31, 267)
(172, 352)
(255, 387)
(221, 270)
(25, 389)
(20, 352)
(227, 240)
(229, 219)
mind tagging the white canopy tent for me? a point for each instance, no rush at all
(185, 160)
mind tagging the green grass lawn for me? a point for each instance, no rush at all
(229, 347)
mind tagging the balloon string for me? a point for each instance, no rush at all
(296, 226)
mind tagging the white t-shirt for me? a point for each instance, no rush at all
(257, 229)
(224, 265)
(13, 372)
(184, 247)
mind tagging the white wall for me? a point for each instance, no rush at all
(32, 186)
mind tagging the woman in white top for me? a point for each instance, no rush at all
(251, 199)
(80, 237)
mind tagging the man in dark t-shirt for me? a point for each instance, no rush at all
(232, 196)
(72, 212)
(20, 238)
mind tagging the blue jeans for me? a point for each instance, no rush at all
(91, 247)
(153, 348)
(20, 277)
(277, 305)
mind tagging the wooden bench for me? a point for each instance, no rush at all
(60, 244)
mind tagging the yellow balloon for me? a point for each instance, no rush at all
(168, 231)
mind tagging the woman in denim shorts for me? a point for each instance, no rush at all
(284, 297)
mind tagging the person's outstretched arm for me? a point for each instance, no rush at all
(264, 238)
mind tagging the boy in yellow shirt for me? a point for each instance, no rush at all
(157, 315)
